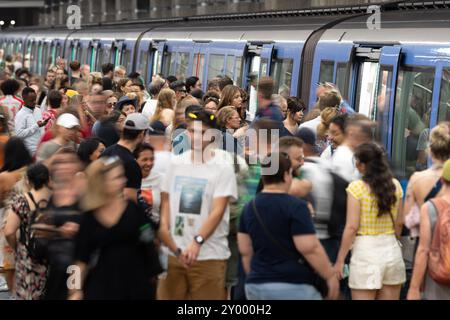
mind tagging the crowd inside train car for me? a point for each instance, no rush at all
(113, 188)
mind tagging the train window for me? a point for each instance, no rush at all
(264, 66)
(382, 103)
(238, 71)
(444, 96)
(40, 59)
(169, 64)
(229, 66)
(199, 66)
(84, 54)
(215, 65)
(367, 87)
(253, 96)
(157, 61)
(182, 65)
(281, 73)
(342, 78)
(412, 120)
(143, 64)
(92, 58)
(126, 59)
(74, 53)
(326, 71)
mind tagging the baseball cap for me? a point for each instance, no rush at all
(136, 121)
(446, 171)
(307, 135)
(156, 128)
(67, 120)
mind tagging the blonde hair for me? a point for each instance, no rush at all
(227, 95)
(224, 114)
(95, 195)
(440, 141)
(165, 101)
(325, 119)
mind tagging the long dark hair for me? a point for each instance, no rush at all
(16, 155)
(377, 175)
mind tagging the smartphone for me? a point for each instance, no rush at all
(345, 271)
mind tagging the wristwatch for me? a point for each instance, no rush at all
(178, 252)
(199, 239)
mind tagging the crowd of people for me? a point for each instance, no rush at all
(112, 189)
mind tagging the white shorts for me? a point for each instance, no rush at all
(376, 261)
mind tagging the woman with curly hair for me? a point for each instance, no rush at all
(374, 220)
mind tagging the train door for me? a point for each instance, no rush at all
(143, 59)
(103, 53)
(126, 57)
(74, 50)
(158, 51)
(116, 52)
(199, 63)
(178, 59)
(221, 59)
(83, 52)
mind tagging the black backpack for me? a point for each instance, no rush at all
(36, 247)
(338, 215)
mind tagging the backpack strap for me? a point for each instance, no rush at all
(432, 214)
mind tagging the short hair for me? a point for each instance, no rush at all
(129, 134)
(286, 142)
(295, 105)
(74, 65)
(225, 81)
(141, 148)
(38, 176)
(21, 72)
(155, 86)
(27, 91)
(197, 93)
(107, 67)
(54, 99)
(10, 87)
(224, 114)
(265, 87)
(171, 79)
(283, 163)
(213, 83)
(329, 99)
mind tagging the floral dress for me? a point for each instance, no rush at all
(30, 277)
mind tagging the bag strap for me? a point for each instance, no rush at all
(432, 214)
(274, 241)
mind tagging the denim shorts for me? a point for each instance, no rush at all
(281, 291)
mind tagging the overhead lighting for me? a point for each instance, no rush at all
(13, 22)
(2, 23)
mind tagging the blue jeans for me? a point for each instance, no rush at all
(281, 291)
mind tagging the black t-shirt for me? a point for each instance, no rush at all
(285, 216)
(122, 260)
(132, 169)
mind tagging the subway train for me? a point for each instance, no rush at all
(397, 73)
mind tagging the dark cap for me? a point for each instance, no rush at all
(156, 128)
(307, 135)
(178, 86)
(125, 100)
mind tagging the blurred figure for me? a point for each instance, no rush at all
(126, 105)
(115, 233)
(110, 127)
(179, 88)
(10, 102)
(119, 73)
(4, 137)
(193, 83)
(155, 88)
(326, 100)
(54, 100)
(211, 101)
(323, 127)
(336, 135)
(65, 136)
(108, 70)
(228, 121)
(281, 101)
(30, 275)
(165, 113)
(75, 71)
(85, 71)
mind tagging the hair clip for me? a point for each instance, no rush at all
(192, 116)
(211, 117)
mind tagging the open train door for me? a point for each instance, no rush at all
(387, 84)
(267, 53)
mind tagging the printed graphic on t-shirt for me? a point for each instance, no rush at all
(191, 194)
(179, 226)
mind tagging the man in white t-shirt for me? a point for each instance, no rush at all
(195, 217)
(154, 88)
(357, 132)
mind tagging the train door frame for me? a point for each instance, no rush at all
(83, 44)
(199, 65)
(157, 57)
(92, 55)
(128, 45)
(106, 47)
(116, 52)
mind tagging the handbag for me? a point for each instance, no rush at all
(318, 282)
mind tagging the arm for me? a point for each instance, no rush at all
(208, 227)
(421, 260)
(310, 247)
(351, 228)
(11, 227)
(164, 229)
(410, 199)
(400, 220)
(246, 250)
